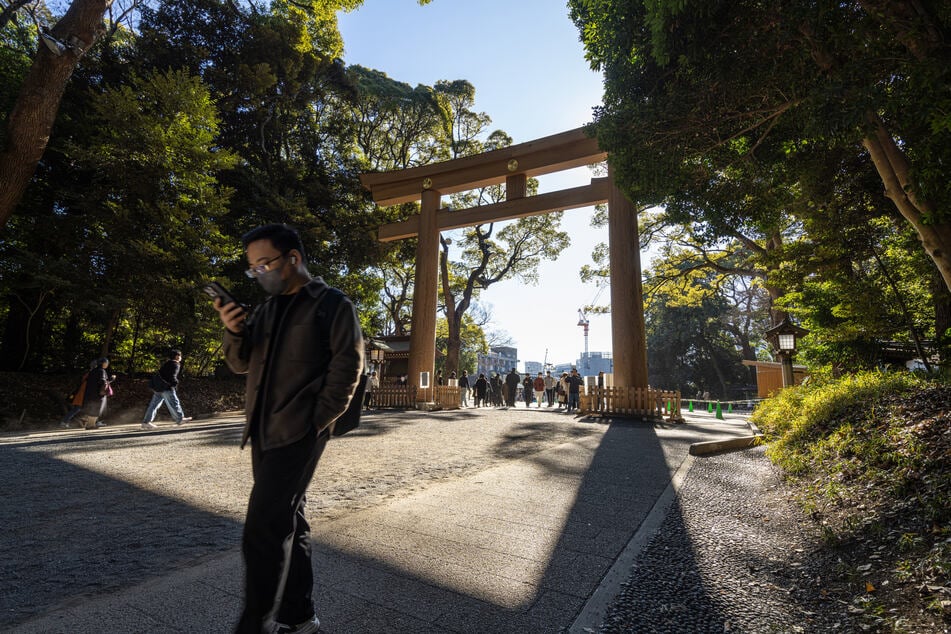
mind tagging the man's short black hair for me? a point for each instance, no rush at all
(174, 353)
(283, 238)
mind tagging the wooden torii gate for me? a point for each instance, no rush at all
(513, 165)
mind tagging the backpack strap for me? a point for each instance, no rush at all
(329, 304)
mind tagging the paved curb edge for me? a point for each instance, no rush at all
(713, 446)
(595, 609)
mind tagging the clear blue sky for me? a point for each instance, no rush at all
(527, 64)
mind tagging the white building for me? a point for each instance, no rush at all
(500, 360)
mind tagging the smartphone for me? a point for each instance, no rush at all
(215, 290)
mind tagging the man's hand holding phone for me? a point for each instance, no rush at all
(232, 313)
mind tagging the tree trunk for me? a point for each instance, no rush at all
(136, 325)
(453, 351)
(941, 297)
(71, 344)
(453, 320)
(720, 376)
(893, 168)
(31, 120)
(109, 335)
(14, 344)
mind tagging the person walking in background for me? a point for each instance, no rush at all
(574, 389)
(373, 384)
(302, 352)
(163, 384)
(601, 401)
(512, 381)
(97, 393)
(481, 389)
(539, 386)
(550, 388)
(527, 385)
(77, 398)
(495, 383)
(464, 389)
(563, 390)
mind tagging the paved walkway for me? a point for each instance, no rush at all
(539, 541)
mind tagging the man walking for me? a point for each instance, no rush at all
(302, 351)
(574, 389)
(539, 386)
(464, 389)
(163, 384)
(550, 388)
(512, 381)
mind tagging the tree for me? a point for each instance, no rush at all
(489, 255)
(33, 113)
(473, 340)
(122, 193)
(864, 76)
(139, 236)
(690, 346)
(393, 126)
(283, 98)
(30, 120)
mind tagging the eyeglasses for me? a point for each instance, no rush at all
(261, 269)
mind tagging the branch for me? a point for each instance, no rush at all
(10, 10)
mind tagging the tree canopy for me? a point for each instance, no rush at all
(712, 85)
(770, 132)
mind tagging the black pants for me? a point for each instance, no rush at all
(279, 580)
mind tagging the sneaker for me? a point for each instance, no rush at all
(64, 425)
(307, 627)
(149, 426)
(99, 423)
(187, 419)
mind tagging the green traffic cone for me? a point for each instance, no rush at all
(670, 406)
(729, 408)
(690, 406)
(709, 407)
(719, 411)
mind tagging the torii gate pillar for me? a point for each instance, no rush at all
(422, 335)
(628, 338)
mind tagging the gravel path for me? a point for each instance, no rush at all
(733, 555)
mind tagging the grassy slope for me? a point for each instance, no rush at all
(870, 458)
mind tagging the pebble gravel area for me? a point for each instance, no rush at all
(733, 555)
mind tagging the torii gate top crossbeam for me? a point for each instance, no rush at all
(555, 153)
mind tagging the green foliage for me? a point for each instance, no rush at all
(472, 343)
(694, 346)
(175, 137)
(17, 42)
(817, 422)
(869, 458)
(769, 162)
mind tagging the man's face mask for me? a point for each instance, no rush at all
(272, 282)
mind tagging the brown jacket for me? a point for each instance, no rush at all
(306, 385)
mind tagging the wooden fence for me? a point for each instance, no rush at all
(632, 401)
(448, 397)
(406, 396)
(397, 396)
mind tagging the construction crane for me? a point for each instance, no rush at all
(583, 322)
